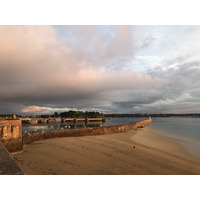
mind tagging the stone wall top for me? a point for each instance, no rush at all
(12, 122)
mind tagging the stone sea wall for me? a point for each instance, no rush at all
(11, 133)
(84, 131)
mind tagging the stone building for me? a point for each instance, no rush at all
(11, 134)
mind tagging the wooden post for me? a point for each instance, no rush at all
(75, 121)
(86, 121)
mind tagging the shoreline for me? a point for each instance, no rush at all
(154, 153)
(158, 140)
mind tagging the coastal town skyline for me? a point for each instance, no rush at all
(108, 69)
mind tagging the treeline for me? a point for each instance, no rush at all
(80, 114)
(126, 115)
(154, 115)
(73, 114)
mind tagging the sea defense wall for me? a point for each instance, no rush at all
(11, 135)
(7, 163)
(84, 131)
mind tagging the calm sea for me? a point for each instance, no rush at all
(186, 129)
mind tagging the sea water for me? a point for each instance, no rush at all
(185, 129)
(122, 120)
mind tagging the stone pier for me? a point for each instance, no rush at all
(11, 135)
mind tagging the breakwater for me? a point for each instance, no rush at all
(84, 131)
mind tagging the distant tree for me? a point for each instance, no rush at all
(56, 114)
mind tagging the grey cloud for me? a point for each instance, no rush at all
(182, 86)
(179, 94)
(148, 41)
(175, 60)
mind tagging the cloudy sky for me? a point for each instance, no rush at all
(110, 69)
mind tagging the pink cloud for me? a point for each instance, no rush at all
(33, 109)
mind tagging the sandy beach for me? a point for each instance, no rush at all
(143, 151)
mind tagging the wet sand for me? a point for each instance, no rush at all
(143, 151)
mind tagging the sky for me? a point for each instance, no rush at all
(109, 69)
